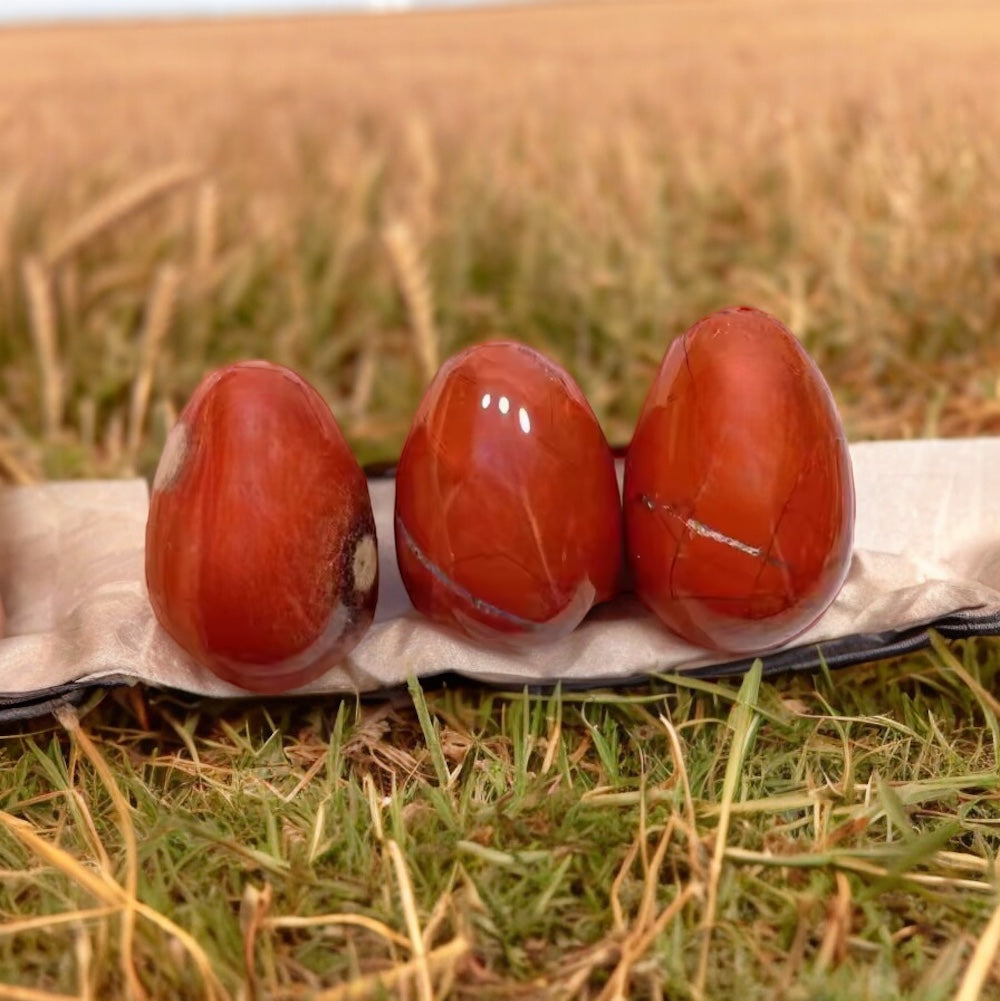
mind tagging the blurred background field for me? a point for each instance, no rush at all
(359, 197)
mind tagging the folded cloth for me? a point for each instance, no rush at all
(927, 555)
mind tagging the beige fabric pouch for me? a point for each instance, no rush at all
(927, 554)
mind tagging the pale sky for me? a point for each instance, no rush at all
(47, 10)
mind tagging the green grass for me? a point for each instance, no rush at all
(825, 837)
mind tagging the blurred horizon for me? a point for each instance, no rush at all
(48, 11)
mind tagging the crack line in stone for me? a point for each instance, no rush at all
(458, 590)
(707, 532)
(710, 533)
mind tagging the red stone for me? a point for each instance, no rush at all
(508, 516)
(261, 558)
(739, 495)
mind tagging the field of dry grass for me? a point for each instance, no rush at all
(358, 197)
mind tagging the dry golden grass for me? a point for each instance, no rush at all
(358, 196)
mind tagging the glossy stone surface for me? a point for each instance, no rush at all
(508, 516)
(261, 557)
(738, 495)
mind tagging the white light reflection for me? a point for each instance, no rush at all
(504, 406)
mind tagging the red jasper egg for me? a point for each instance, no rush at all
(508, 516)
(261, 560)
(739, 495)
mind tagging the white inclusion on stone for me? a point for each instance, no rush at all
(696, 527)
(365, 563)
(503, 405)
(486, 401)
(524, 420)
(710, 533)
(174, 455)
